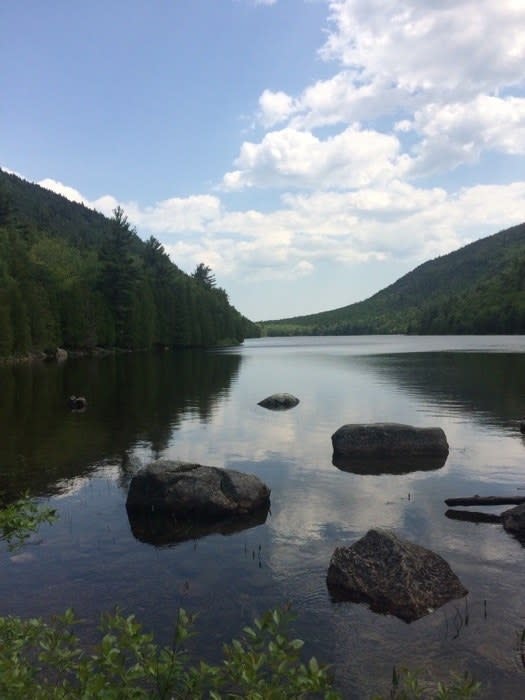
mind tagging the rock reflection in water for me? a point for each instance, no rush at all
(397, 464)
(162, 529)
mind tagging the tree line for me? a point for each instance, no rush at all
(69, 277)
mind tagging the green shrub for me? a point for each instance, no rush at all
(45, 660)
(20, 519)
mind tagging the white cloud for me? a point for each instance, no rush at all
(59, 188)
(415, 63)
(343, 98)
(106, 204)
(181, 214)
(392, 221)
(275, 107)
(459, 132)
(474, 45)
(11, 172)
(292, 158)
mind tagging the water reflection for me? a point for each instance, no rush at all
(473, 516)
(394, 464)
(163, 529)
(487, 386)
(202, 407)
(133, 398)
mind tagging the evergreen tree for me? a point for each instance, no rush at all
(119, 274)
(204, 275)
(70, 276)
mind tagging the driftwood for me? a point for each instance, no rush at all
(473, 516)
(486, 501)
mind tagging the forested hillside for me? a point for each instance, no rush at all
(70, 277)
(479, 288)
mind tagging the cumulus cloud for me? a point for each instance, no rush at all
(353, 158)
(414, 63)
(398, 222)
(341, 99)
(430, 46)
(181, 214)
(11, 172)
(392, 221)
(459, 132)
(59, 188)
(275, 107)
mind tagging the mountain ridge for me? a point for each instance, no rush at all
(435, 296)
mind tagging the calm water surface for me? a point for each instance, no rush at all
(202, 406)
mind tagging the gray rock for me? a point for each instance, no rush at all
(393, 576)
(194, 491)
(77, 403)
(279, 402)
(514, 519)
(388, 439)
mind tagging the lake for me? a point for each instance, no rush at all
(202, 406)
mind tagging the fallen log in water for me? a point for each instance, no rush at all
(486, 501)
(473, 516)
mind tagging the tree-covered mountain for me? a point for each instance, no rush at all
(71, 277)
(479, 288)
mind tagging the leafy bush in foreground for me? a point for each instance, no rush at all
(45, 661)
(41, 661)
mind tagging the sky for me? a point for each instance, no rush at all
(311, 152)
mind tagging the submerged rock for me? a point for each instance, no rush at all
(77, 403)
(196, 492)
(388, 439)
(393, 576)
(279, 402)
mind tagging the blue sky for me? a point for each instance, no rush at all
(310, 151)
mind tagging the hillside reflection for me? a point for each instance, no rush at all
(488, 386)
(135, 398)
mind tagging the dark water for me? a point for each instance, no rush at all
(203, 407)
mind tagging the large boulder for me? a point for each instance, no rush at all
(513, 520)
(193, 491)
(386, 439)
(279, 402)
(393, 576)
